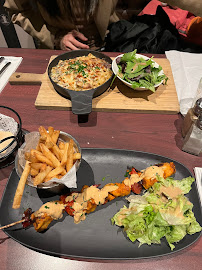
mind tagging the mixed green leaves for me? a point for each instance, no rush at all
(140, 72)
(157, 214)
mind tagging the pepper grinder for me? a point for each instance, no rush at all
(191, 117)
(193, 139)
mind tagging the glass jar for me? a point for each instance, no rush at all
(191, 116)
(193, 139)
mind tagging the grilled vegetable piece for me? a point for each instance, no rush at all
(136, 188)
(27, 218)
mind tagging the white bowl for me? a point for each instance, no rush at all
(116, 69)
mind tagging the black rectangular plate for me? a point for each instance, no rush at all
(94, 238)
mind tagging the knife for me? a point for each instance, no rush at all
(4, 67)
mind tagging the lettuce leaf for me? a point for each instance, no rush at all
(176, 234)
(130, 56)
(184, 184)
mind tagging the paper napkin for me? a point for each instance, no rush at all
(198, 176)
(187, 72)
(4, 77)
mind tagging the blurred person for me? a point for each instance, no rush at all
(64, 24)
(77, 24)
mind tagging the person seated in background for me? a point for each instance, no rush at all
(77, 24)
(64, 24)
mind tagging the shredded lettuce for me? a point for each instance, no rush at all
(153, 216)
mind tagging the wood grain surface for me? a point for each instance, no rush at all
(118, 98)
(154, 133)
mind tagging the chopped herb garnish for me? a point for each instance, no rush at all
(105, 177)
(127, 173)
(47, 207)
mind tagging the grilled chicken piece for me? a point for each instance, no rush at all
(169, 168)
(41, 223)
(147, 183)
(122, 190)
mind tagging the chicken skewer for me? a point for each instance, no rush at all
(78, 204)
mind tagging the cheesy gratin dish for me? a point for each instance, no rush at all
(81, 73)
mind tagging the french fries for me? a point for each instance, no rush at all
(53, 173)
(21, 186)
(41, 176)
(64, 157)
(49, 155)
(51, 159)
(70, 154)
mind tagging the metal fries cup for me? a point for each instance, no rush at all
(54, 187)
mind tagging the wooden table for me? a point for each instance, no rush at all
(155, 133)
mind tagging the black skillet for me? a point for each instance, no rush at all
(81, 100)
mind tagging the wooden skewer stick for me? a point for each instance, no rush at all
(12, 224)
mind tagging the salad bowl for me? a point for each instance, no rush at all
(156, 71)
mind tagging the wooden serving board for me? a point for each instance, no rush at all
(118, 98)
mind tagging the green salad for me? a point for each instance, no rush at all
(162, 211)
(140, 72)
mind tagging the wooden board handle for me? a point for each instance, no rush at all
(26, 78)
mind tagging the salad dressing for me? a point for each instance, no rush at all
(170, 192)
(122, 215)
(81, 200)
(152, 171)
(53, 209)
(173, 215)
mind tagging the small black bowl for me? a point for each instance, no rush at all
(16, 141)
(81, 100)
